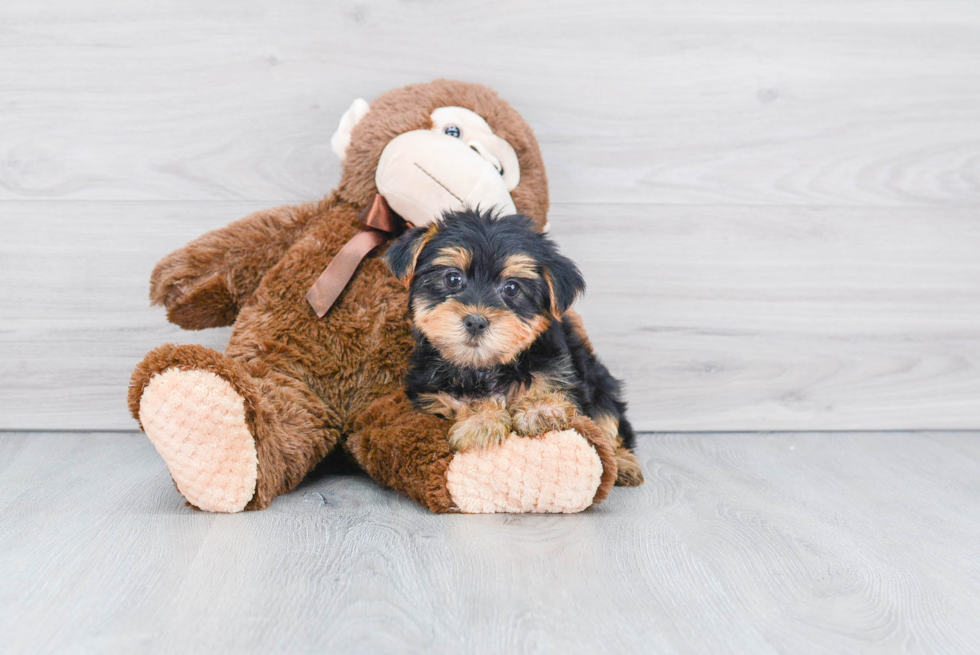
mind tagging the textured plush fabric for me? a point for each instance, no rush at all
(196, 421)
(556, 473)
(308, 384)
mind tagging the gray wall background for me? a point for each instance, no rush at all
(775, 203)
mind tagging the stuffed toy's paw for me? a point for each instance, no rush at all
(558, 472)
(197, 406)
(196, 421)
(193, 301)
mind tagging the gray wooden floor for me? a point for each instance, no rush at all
(750, 543)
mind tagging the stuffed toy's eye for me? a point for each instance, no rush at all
(454, 280)
(511, 289)
(452, 130)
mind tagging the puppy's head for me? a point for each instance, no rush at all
(482, 288)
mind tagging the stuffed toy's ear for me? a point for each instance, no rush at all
(341, 138)
(403, 254)
(565, 283)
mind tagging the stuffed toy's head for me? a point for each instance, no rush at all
(441, 146)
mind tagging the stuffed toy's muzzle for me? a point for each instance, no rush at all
(423, 174)
(457, 164)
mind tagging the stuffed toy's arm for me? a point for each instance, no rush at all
(404, 449)
(205, 283)
(407, 450)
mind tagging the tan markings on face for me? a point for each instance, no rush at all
(506, 336)
(520, 266)
(454, 256)
(417, 250)
(554, 299)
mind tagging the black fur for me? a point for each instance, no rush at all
(558, 352)
(401, 253)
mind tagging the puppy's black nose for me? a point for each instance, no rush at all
(475, 324)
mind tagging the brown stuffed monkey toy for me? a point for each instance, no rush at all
(240, 428)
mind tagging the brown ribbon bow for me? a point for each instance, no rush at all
(379, 225)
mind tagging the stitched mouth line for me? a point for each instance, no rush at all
(439, 183)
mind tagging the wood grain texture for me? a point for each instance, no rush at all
(737, 318)
(779, 543)
(868, 103)
(716, 317)
(775, 204)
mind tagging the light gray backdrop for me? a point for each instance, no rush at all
(775, 205)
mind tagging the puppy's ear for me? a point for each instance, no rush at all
(403, 254)
(565, 283)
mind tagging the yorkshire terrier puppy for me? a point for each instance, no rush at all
(486, 299)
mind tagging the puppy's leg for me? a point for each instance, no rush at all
(628, 465)
(482, 423)
(542, 408)
(630, 474)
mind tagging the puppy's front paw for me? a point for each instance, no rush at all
(488, 425)
(536, 417)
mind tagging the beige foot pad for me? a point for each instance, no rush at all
(558, 472)
(196, 421)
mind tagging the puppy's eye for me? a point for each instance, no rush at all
(452, 131)
(454, 280)
(511, 289)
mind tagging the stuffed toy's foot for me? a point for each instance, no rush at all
(558, 472)
(196, 421)
(232, 441)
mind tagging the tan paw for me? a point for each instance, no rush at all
(533, 418)
(197, 423)
(629, 472)
(557, 472)
(486, 427)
